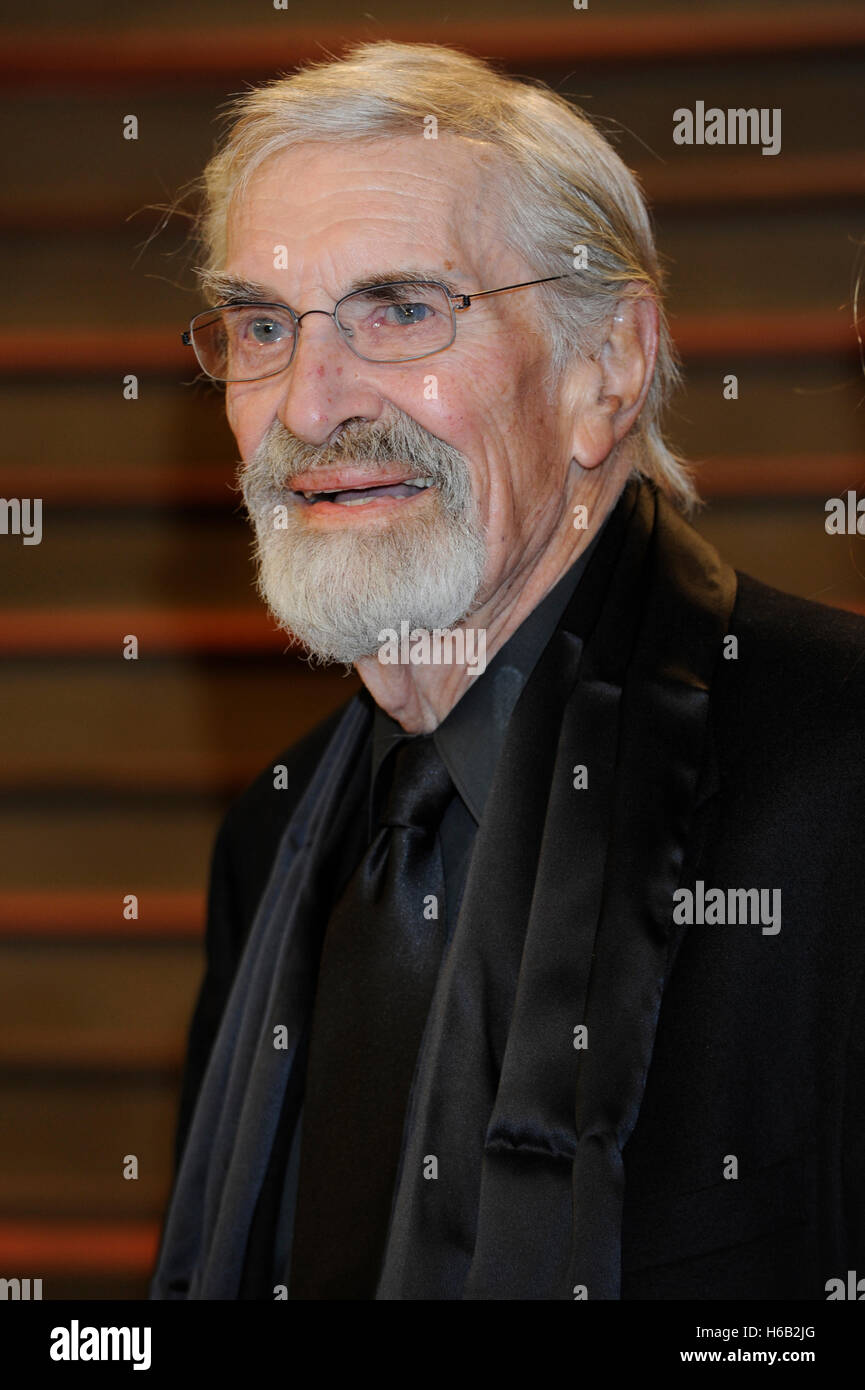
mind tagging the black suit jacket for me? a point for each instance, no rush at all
(755, 1067)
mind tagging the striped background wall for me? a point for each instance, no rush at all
(113, 773)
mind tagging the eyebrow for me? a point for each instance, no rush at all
(224, 288)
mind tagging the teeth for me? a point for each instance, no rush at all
(411, 482)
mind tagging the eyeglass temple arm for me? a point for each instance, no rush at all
(466, 299)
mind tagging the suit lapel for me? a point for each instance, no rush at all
(665, 766)
(565, 925)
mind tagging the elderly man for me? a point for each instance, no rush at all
(536, 972)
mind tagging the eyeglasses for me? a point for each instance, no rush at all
(400, 321)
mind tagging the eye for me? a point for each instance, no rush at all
(404, 315)
(398, 321)
(253, 326)
(264, 331)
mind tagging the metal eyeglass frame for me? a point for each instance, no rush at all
(457, 302)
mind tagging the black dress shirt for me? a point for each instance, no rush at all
(469, 741)
(470, 738)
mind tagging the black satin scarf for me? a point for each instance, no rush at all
(565, 921)
(222, 1205)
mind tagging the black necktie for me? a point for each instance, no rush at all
(380, 959)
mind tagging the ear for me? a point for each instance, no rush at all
(608, 390)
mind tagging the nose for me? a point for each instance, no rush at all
(326, 384)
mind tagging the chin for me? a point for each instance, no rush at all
(337, 591)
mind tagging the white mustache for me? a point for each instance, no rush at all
(403, 442)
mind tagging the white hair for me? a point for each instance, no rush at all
(565, 186)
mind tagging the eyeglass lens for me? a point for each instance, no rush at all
(388, 323)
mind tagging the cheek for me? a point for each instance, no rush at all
(248, 418)
(478, 423)
(234, 413)
(459, 401)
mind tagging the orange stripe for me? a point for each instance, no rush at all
(816, 332)
(84, 350)
(167, 631)
(36, 1249)
(76, 913)
(164, 55)
(795, 475)
(724, 476)
(91, 351)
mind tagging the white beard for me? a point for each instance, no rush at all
(336, 591)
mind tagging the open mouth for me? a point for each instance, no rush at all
(359, 496)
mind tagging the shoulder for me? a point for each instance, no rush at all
(795, 676)
(782, 638)
(788, 621)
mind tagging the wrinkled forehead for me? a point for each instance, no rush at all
(405, 193)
